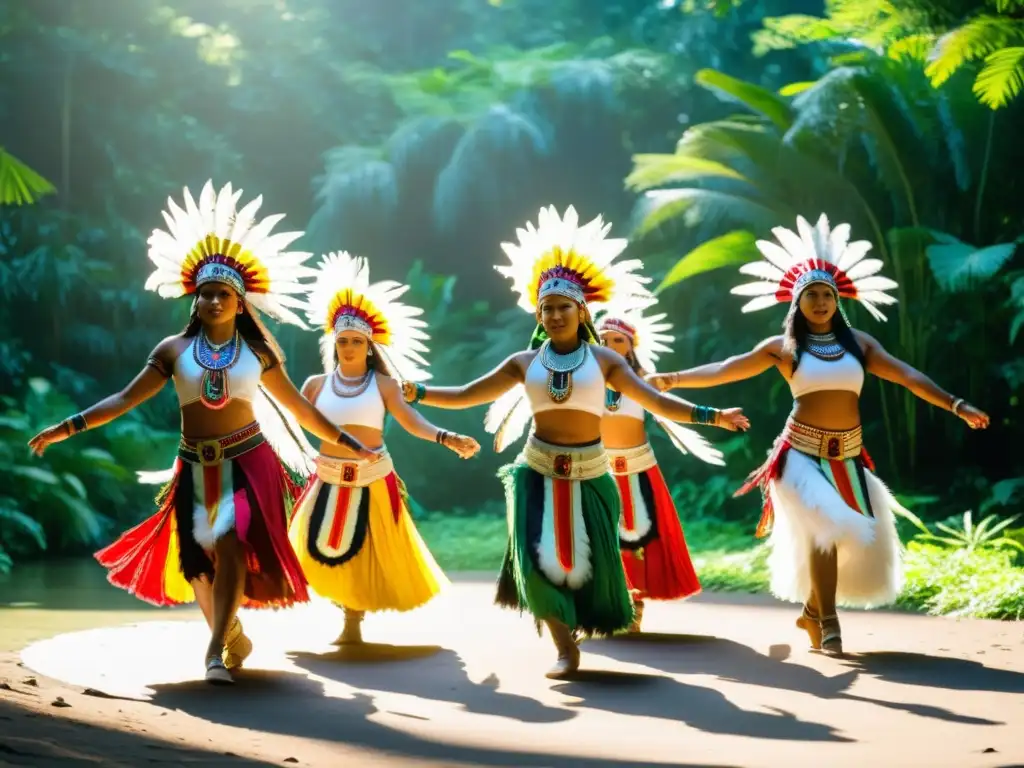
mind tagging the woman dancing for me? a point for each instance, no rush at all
(831, 520)
(220, 534)
(562, 561)
(352, 530)
(651, 539)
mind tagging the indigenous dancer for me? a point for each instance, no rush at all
(834, 538)
(220, 534)
(352, 530)
(654, 552)
(562, 561)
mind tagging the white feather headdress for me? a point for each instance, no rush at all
(214, 241)
(341, 298)
(815, 255)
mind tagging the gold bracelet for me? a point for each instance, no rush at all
(955, 408)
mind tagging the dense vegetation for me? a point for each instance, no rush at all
(422, 140)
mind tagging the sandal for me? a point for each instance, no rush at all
(237, 646)
(810, 623)
(217, 673)
(832, 636)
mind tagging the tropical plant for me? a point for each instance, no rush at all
(950, 35)
(19, 184)
(962, 533)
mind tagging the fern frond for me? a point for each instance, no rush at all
(974, 40)
(1002, 79)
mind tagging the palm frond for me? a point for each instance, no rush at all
(1002, 78)
(754, 97)
(19, 184)
(710, 209)
(659, 170)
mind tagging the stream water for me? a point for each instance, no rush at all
(40, 600)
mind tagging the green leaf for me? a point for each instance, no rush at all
(1002, 78)
(35, 474)
(733, 248)
(13, 519)
(19, 184)
(754, 97)
(792, 89)
(657, 170)
(76, 485)
(958, 265)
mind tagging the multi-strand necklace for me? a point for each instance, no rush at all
(344, 386)
(560, 369)
(825, 346)
(215, 360)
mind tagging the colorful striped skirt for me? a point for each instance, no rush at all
(820, 492)
(654, 551)
(234, 483)
(562, 558)
(356, 540)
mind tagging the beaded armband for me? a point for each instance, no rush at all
(159, 366)
(75, 424)
(704, 414)
(419, 391)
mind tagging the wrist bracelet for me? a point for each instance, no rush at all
(955, 408)
(344, 438)
(704, 414)
(421, 392)
(75, 424)
(441, 436)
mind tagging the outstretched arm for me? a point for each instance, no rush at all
(621, 376)
(281, 387)
(765, 355)
(885, 366)
(413, 422)
(146, 384)
(486, 389)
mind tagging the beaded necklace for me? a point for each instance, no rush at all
(215, 360)
(560, 369)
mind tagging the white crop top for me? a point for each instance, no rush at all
(587, 387)
(243, 377)
(364, 410)
(627, 407)
(816, 375)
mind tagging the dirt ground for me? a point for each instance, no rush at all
(717, 681)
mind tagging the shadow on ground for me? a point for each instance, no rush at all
(738, 663)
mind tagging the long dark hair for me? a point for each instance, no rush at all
(250, 327)
(795, 330)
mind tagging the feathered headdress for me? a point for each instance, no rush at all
(560, 257)
(815, 255)
(650, 338)
(213, 241)
(343, 299)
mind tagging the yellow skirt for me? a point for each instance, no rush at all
(356, 541)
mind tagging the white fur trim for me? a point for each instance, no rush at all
(809, 513)
(205, 531)
(351, 513)
(547, 552)
(641, 514)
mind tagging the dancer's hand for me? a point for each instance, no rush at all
(660, 381)
(55, 434)
(975, 417)
(464, 445)
(733, 420)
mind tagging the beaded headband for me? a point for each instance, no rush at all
(215, 272)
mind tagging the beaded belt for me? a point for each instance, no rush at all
(566, 462)
(353, 472)
(629, 461)
(823, 443)
(214, 450)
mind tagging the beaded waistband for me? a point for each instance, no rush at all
(211, 451)
(566, 462)
(358, 473)
(823, 443)
(629, 461)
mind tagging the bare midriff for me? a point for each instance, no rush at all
(567, 427)
(832, 410)
(368, 436)
(618, 432)
(199, 422)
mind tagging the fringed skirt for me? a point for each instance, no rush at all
(234, 483)
(562, 559)
(654, 552)
(820, 492)
(356, 540)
